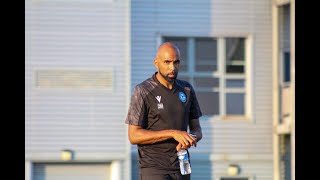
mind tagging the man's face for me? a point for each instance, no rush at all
(168, 65)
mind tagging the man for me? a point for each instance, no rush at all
(161, 109)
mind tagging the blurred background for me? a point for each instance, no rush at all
(84, 57)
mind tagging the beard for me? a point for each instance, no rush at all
(169, 79)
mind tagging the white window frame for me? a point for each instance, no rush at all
(247, 90)
(220, 73)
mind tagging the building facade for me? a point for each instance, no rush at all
(83, 59)
(76, 89)
(283, 15)
(226, 54)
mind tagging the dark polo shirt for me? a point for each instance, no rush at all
(155, 107)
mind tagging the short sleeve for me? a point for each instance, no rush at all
(137, 109)
(195, 111)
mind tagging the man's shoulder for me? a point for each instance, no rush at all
(184, 84)
(146, 86)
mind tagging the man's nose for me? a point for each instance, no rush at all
(171, 66)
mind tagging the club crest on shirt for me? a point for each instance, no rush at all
(182, 97)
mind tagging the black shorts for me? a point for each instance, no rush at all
(175, 176)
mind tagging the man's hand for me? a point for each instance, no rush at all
(185, 140)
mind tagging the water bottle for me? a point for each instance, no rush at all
(183, 157)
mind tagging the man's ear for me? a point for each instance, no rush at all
(155, 62)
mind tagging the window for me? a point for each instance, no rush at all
(216, 67)
(234, 178)
(286, 67)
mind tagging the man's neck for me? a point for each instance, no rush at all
(164, 82)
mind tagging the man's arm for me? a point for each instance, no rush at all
(195, 129)
(138, 135)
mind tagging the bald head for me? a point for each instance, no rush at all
(167, 49)
(167, 62)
